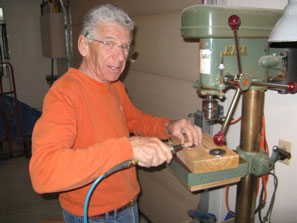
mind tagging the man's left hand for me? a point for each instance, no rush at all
(182, 127)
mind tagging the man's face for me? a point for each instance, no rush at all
(103, 63)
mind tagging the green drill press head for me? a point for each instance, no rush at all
(209, 25)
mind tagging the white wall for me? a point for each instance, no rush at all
(30, 67)
(276, 4)
(280, 115)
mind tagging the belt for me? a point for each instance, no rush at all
(118, 210)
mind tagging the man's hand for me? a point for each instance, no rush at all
(179, 128)
(150, 151)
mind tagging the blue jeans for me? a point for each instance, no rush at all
(129, 215)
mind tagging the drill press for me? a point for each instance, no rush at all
(234, 54)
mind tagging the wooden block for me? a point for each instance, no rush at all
(214, 184)
(199, 160)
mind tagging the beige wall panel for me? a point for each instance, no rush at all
(158, 40)
(161, 48)
(75, 34)
(163, 198)
(24, 42)
(133, 7)
(161, 95)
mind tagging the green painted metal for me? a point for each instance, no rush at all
(254, 48)
(274, 71)
(259, 163)
(191, 179)
(209, 21)
(270, 61)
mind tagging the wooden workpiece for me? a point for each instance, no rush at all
(199, 160)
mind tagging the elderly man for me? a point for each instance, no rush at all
(86, 124)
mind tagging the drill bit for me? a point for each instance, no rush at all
(176, 148)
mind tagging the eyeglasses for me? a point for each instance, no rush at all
(112, 46)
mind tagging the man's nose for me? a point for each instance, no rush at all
(120, 54)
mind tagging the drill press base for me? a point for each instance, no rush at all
(207, 165)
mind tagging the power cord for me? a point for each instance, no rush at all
(261, 204)
(118, 167)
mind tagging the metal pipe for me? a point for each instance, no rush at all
(237, 52)
(290, 87)
(234, 22)
(269, 84)
(231, 110)
(246, 200)
(251, 127)
(219, 138)
(68, 34)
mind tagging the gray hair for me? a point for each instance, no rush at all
(104, 13)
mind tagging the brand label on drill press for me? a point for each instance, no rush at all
(230, 51)
(205, 61)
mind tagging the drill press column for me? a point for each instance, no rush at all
(251, 127)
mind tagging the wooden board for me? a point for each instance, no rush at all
(199, 160)
(214, 184)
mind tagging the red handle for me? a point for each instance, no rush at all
(292, 87)
(234, 22)
(219, 138)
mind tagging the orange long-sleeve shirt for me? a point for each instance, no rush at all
(82, 133)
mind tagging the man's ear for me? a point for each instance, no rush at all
(83, 45)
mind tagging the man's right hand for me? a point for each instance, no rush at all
(150, 151)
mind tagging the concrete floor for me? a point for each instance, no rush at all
(18, 202)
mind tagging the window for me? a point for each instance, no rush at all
(4, 52)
